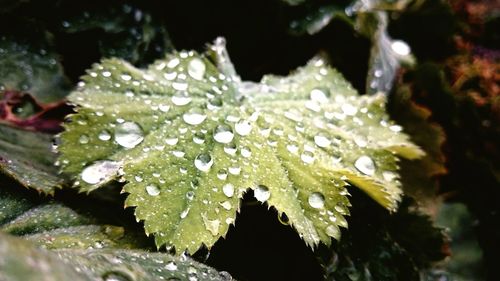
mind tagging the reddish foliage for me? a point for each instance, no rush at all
(45, 118)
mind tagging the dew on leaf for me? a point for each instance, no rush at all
(307, 157)
(349, 109)
(223, 134)
(365, 165)
(190, 195)
(100, 171)
(125, 77)
(104, 135)
(194, 118)
(234, 170)
(228, 190)
(196, 68)
(246, 152)
(222, 174)
(116, 276)
(333, 231)
(171, 265)
(243, 128)
(316, 200)
(230, 149)
(226, 205)
(84, 139)
(322, 141)
(319, 95)
(181, 98)
(180, 86)
(262, 193)
(152, 190)
(129, 134)
(171, 140)
(203, 162)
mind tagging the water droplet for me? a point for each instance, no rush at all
(223, 134)
(171, 265)
(184, 213)
(322, 141)
(396, 128)
(199, 138)
(389, 176)
(100, 171)
(128, 134)
(173, 62)
(194, 118)
(243, 128)
(180, 86)
(333, 231)
(226, 205)
(125, 77)
(292, 147)
(84, 139)
(222, 174)
(178, 153)
(104, 135)
(349, 109)
(316, 200)
(262, 193)
(225, 276)
(106, 73)
(203, 162)
(171, 141)
(400, 48)
(138, 178)
(246, 152)
(234, 170)
(211, 225)
(307, 157)
(116, 276)
(196, 68)
(181, 98)
(365, 165)
(228, 190)
(230, 149)
(320, 95)
(190, 195)
(283, 218)
(152, 190)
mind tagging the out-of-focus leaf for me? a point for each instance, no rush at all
(403, 246)
(27, 157)
(24, 68)
(54, 225)
(318, 19)
(122, 31)
(21, 261)
(190, 141)
(419, 177)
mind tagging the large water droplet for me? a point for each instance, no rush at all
(196, 68)
(400, 48)
(365, 165)
(316, 200)
(194, 118)
(152, 190)
(262, 193)
(100, 171)
(228, 190)
(243, 127)
(211, 225)
(203, 162)
(116, 276)
(223, 134)
(128, 134)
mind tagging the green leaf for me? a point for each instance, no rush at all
(27, 157)
(19, 261)
(33, 70)
(121, 31)
(190, 141)
(54, 225)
